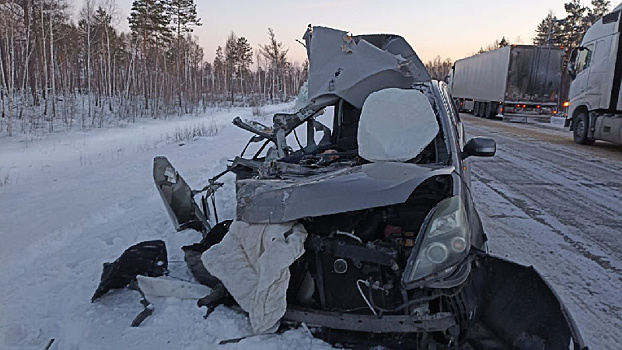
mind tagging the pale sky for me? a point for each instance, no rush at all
(449, 28)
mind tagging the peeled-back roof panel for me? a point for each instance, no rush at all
(352, 67)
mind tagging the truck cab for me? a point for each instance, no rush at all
(595, 107)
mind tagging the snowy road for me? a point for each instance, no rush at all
(71, 202)
(548, 202)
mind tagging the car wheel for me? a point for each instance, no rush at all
(580, 129)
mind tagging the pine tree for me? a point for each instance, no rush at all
(219, 69)
(245, 60)
(183, 14)
(503, 42)
(575, 24)
(231, 62)
(245, 53)
(600, 8)
(549, 32)
(149, 19)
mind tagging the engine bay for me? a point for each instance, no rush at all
(354, 260)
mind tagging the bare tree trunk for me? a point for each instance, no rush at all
(52, 75)
(6, 80)
(145, 82)
(29, 64)
(179, 62)
(45, 64)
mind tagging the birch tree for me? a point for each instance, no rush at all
(276, 56)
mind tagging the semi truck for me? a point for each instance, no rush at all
(514, 82)
(595, 110)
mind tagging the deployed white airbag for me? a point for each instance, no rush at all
(252, 261)
(395, 125)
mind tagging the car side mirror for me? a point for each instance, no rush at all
(479, 147)
(572, 65)
(572, 70)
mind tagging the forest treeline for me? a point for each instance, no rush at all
(566, 32)
(60, 72)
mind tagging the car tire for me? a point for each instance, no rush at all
(580, 129)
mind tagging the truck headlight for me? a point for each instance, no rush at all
(443, 241)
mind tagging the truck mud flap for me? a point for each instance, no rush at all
(522, 311)
(178, 197)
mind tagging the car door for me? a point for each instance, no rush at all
(582, 65)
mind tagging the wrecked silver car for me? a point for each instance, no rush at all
(365, 230)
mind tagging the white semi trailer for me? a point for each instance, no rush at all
(595, 96)
(514, 82)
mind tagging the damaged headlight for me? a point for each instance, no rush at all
(443, 242)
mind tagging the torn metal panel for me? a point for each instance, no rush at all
(177, 197)
(349, 189)
(439, 322)
(522, 309)
(343, 66)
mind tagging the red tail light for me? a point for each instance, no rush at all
(524, 106)
(538, 106)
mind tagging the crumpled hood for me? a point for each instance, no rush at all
(352, 67)
(348, 189)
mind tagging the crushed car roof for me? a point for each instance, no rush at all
(352, 67)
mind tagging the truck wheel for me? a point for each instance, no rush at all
(580, 129)
(476, 109)
(487, 111)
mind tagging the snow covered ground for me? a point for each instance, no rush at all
(73, 201)
(70, 202)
